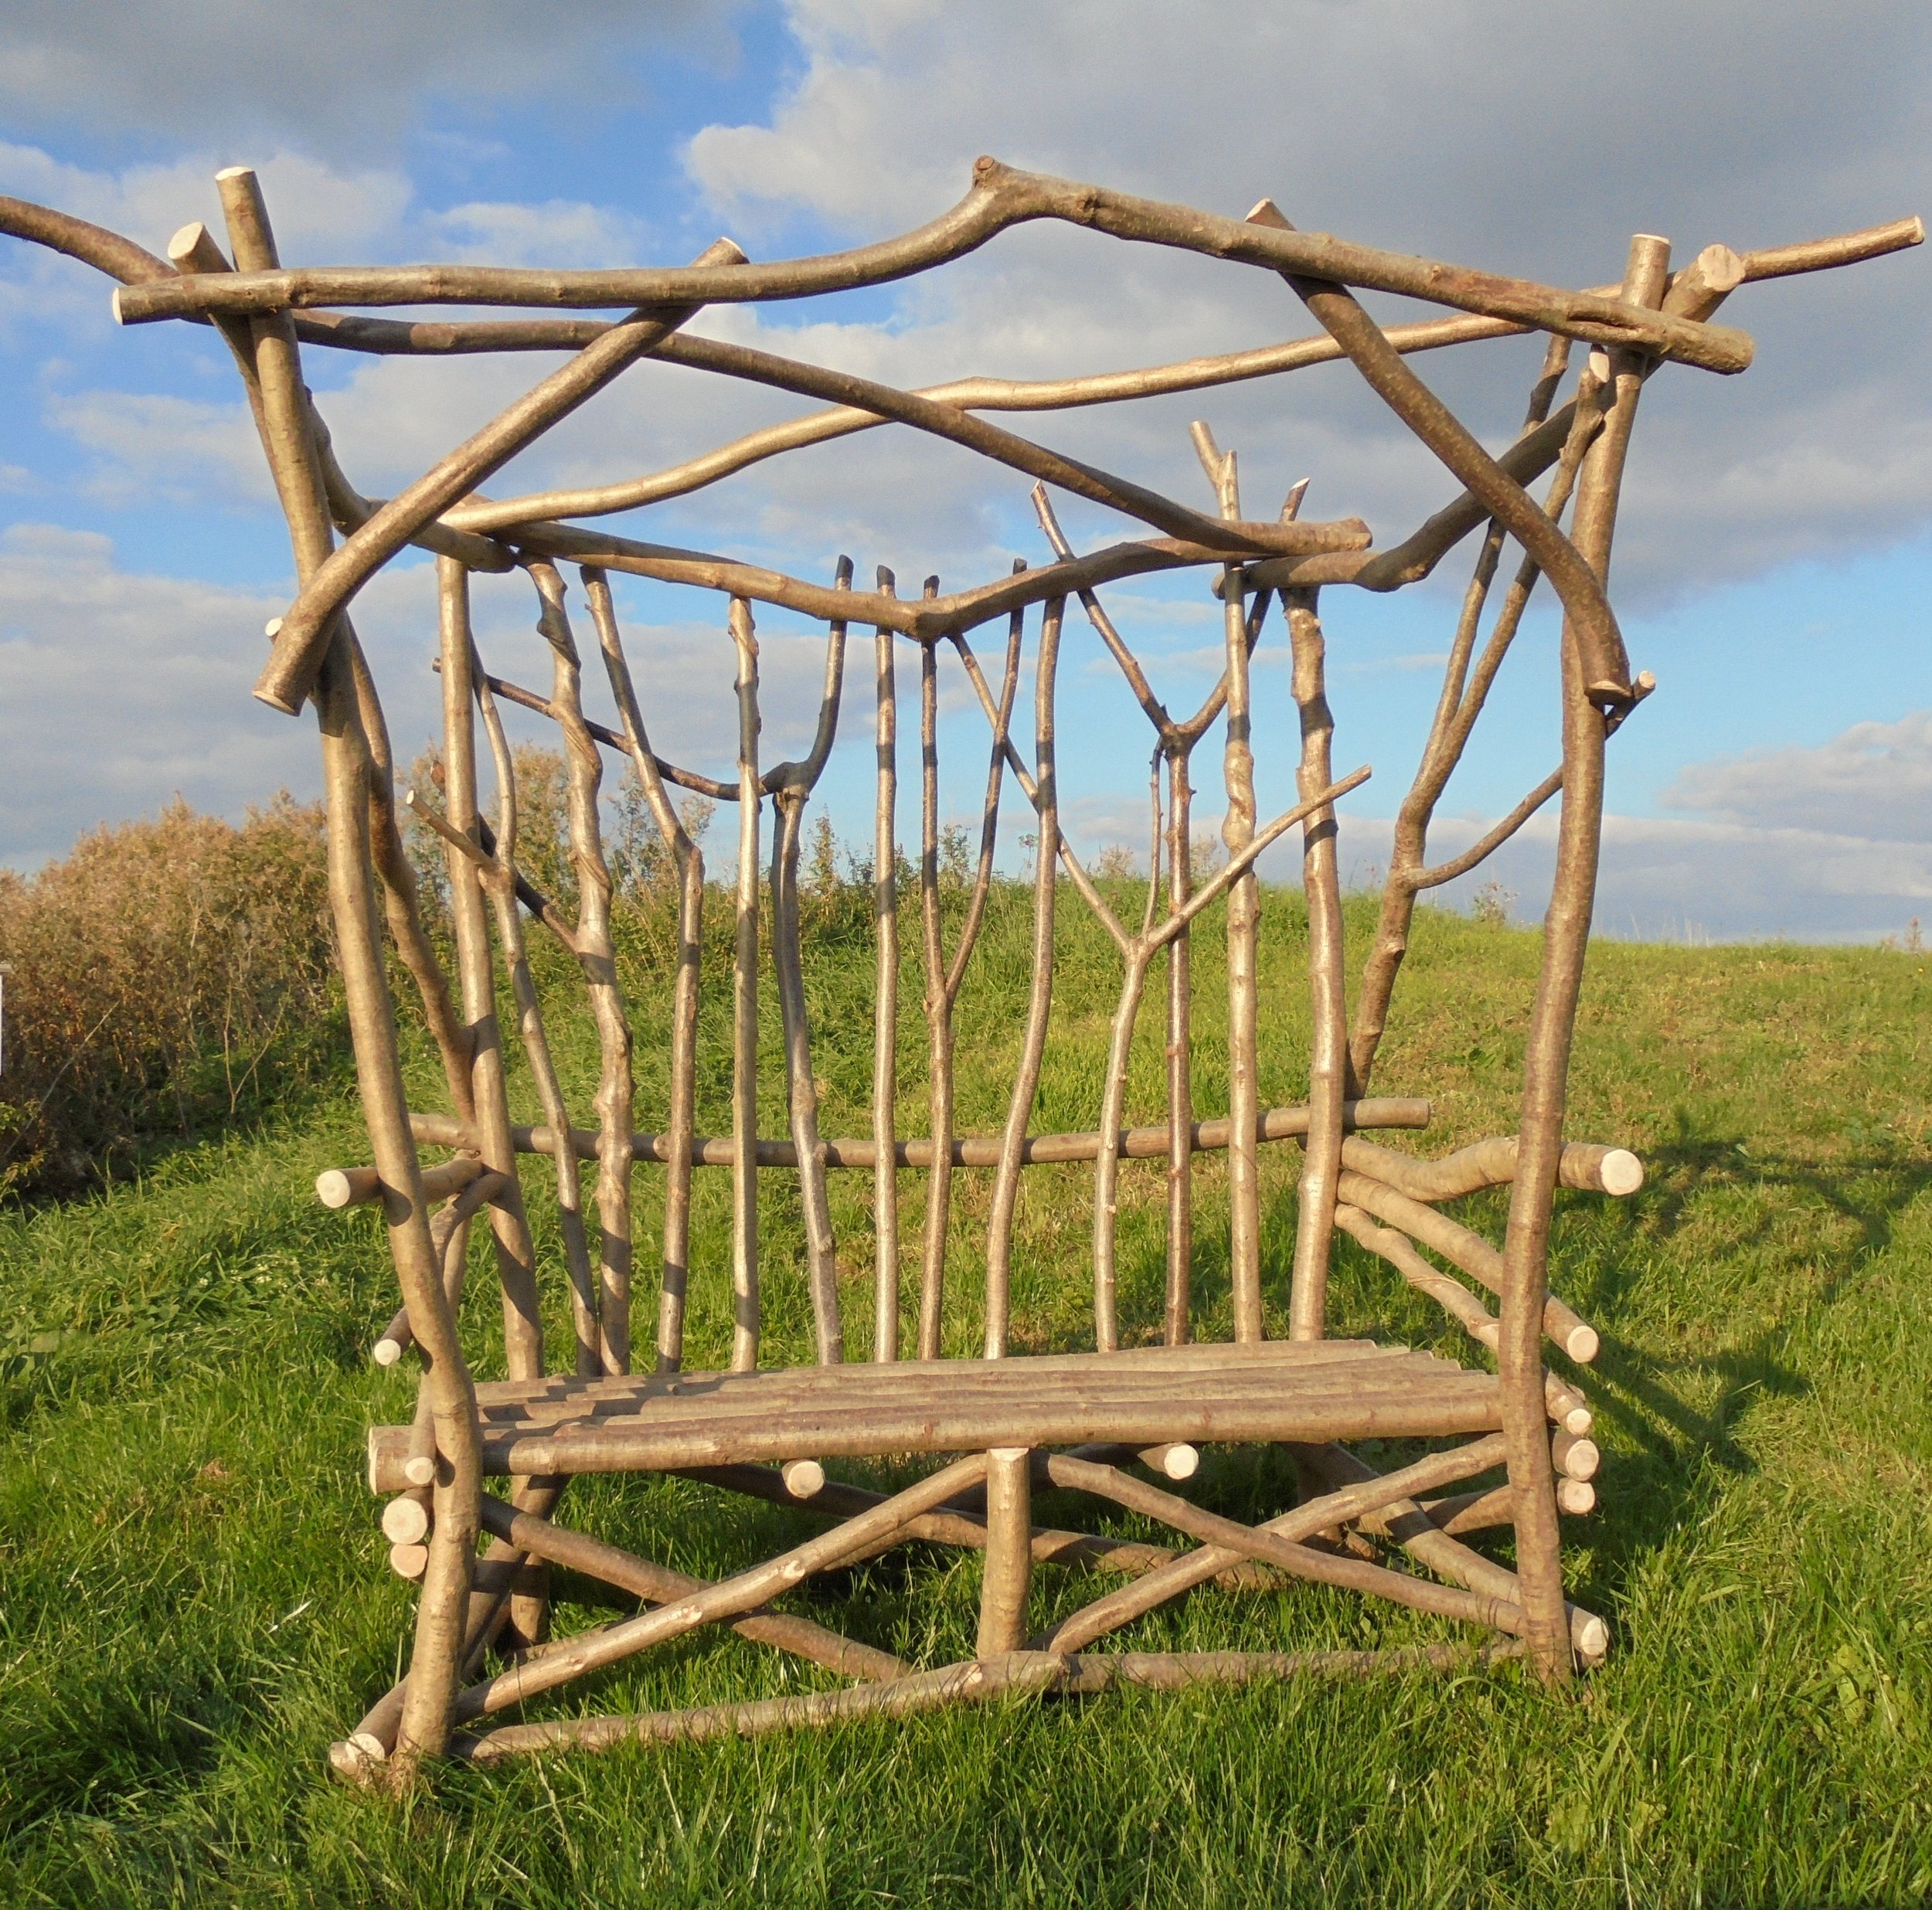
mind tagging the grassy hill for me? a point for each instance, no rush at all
(193, 1599)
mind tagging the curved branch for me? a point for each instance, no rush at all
(1606, 667)
(1082, 882)
(106, 251)
(305, 630)
(1000, 196)
(705, 786)
(861, 403)
(1488, 844)
(689, 861)
(1151, 706)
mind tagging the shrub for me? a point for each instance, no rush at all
(640, 861)
(168, 973)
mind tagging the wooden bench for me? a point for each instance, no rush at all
(1503, 1441)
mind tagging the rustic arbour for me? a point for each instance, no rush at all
(1092, 1422)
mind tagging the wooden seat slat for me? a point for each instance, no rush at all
(841, 1389)
(763, 1402)
(1028, 1370)
(1385, 1392)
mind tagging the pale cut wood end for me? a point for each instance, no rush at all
(192, 250)
(1576, 1459)
(406, 1520)
(805, 1478)
(1176, 1462)
(352, 1761)
(409, 1561)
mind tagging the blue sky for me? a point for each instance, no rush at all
(1773, 552)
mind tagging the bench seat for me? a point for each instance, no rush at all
(1334, 1389)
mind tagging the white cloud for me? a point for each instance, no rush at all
(564, 233)
(1830, 843)
(149, 445)
(1754, 125)
(354, 75)
(1833, 843)
(1723, 120)
(319, 211)
(1751, 123)
(1872, 781)
(124, 688)
(121, 690)
(1672, 879)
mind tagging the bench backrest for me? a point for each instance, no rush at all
(1251, 563)
(913, 1124)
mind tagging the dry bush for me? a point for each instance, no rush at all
(639, 861)
(168, 973)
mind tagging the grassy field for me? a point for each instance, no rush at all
(193, 1599)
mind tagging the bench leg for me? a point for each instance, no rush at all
(1009, 1552)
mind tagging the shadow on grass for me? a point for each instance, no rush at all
(1674, 1416)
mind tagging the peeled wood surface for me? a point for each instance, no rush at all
(1404, 1520)
(1009, 1558)
(1349, 1502)
(978, 1681)
(1152, 1398)
(1272, 1548)
(969, 1151)
(1584, 1166)
(1016, 1674)
(1328, 1018)
(298, 641)
(958, 1523)
(1652, 315)
(658, 1585)
(596, 958)
(1567, 1407)
(548, 1666)
(1000, 196)
(972, 394)
(347, 769)
(1559, 988)
(1475, 1256)
(349, 1187)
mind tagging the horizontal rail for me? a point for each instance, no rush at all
(1566, 1406)
(1000, 196)
(353, 1187)
(1439, 1411)
(969, 1151)
(1466, 1249)
(975, 1681)
(440, 337)
(1586, 1167)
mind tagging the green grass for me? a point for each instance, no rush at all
(193, 1599)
